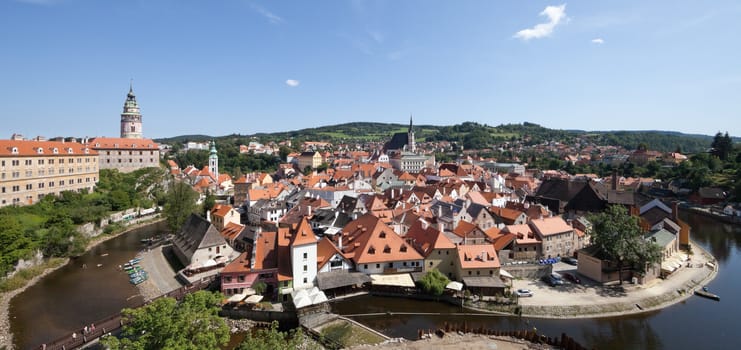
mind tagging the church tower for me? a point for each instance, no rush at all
(213, 161)
(131, 119)
(410, 137)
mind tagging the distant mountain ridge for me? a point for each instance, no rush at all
(661, 140)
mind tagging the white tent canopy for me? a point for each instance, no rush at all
(253, 299)
(457, 286)
(307, 297)
(505, 274)
(236, 298)
(398, 280)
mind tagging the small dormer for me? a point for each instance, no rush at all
(115, 145)
(403, 248)
(87, 150)
(371, 250)
(55, 150)
(97, 144)
(40, 150)
(387, 249)
(70, 151)
(382, 234)
(149, 145)
(133, 145)
(14, 150)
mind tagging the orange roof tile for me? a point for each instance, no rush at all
(480, 256)
(231, 231)
(240, 264)
(304, 234)
(266, 252)
(120, 143)
(371, 241)
(551, 226)
(42, 148)
(427, 239)
(325, 250)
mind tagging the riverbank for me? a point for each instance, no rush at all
(455, 341)
(593, 301)
(6, 338)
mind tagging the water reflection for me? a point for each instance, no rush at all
(74, 296)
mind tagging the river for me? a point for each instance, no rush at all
(72, 296)
(696, 323)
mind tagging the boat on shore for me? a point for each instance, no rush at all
(705, 294)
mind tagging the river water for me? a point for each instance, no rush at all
(72, 296)
(696, 323)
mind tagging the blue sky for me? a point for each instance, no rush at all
(236, 66)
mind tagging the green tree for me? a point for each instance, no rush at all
(209, 202)
(164, 324)
(620, 239)
(260, 287)
(433, 282)
(273, 339)
(119, 200)
(180, 203)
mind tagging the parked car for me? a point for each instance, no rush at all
(572, 277)
(553, 280)
(524, 293)
(570, 261)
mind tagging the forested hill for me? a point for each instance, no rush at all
(473, 135)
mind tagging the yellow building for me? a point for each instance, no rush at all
(29, 170)
(437, 249)
(312, 159)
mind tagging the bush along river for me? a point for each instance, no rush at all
(72, 296)
(87, 289)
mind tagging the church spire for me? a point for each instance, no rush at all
(410, 122)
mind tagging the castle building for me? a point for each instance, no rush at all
(130, 151)
(131, 118)
(30, 170)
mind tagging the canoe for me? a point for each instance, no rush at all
(704, 294)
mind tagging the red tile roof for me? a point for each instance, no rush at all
(240, 264)
(551, 226)
(42, 148)
(371, 241)
(480, 256)
(121, 143)
(427, 239)
(325, 250)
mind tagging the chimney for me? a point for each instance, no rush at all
(339, 243)
(393, 191)
(308, 210)
(208, 215)
(425, 224)
(439, 211)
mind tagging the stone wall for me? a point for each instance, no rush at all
(528, 271)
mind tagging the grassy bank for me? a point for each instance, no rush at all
(20, 279)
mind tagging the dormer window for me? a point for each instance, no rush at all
(382, 234)
(403, 248)
(149, 145)
(115, 145)
(97, 145)
(14, 150)
(55, 150)
(133, 145)
(387, 250)
(70, 151)
(371, 250)
(40, 150)
(87, 150)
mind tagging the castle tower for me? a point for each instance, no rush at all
(213, 161)
(410, 137)
(131, 119)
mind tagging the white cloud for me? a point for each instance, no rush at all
(598, 41)
(271, 17)
(292, 82)
(555, 14)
